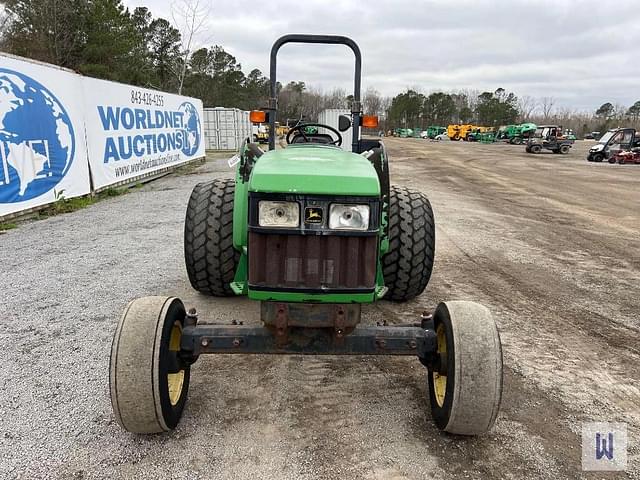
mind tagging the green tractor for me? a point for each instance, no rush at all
(312, 232)
(516, 134)
(521, 133)
(403, 132)
(433, 131)
(486, 137)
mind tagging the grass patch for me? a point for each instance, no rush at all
(7, 226)
(68, 205)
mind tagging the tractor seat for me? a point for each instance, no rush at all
(321, 138)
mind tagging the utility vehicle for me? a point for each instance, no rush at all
(313, 233)
(549, 137)
(612, 142)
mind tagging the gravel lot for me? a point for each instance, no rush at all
(549, 243)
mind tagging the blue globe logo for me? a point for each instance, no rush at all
(37, 142)
(192, 129)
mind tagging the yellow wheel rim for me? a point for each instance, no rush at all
(175, 380)
(440, 380)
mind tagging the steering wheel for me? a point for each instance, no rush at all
(300, 128)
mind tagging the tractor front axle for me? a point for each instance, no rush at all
(362, 340)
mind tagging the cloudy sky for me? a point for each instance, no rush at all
(582, 52)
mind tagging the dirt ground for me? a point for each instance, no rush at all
(548, 242)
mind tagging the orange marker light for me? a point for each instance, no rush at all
(258, 116)
(369, 121)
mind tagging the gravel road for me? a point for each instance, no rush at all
(549, 243)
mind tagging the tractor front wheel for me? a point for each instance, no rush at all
(209, 254)
(408, 263)
(465, 382)
(147, 380)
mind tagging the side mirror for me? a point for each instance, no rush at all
(344, 123)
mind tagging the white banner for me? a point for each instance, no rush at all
(133, 131)
(43, 154)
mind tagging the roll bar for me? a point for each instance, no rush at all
(356, 106)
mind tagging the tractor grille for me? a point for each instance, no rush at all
(312, 262)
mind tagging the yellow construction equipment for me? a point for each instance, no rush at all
(459, 132)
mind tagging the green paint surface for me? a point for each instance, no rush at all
(315, 170)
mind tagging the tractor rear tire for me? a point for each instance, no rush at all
(465, 389)
(408, 263)
(209, 254)
(147, 382)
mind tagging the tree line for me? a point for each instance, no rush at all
(412, 109)
(104, 39)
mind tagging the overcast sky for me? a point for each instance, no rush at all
(583, 53)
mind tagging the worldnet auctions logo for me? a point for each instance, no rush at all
(192, 128)
(37, 142)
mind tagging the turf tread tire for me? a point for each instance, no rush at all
(138, 366)
(408, 263)
(210, 256)
(475, 369)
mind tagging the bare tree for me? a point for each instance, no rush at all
(4, 21)
(546, 105)
(526, 105)
(336, 98)
(190, 16)
(371, 101)
(620, 111)
(471, 95)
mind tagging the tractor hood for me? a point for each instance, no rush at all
(314, 169)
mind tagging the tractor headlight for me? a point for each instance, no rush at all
(278, 214)
(348, 217)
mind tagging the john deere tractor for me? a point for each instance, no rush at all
(312, 232)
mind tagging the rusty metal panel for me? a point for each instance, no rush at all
(312, 315)
(312, 261)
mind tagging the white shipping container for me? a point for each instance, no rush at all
(330, 117)
(226, 128)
